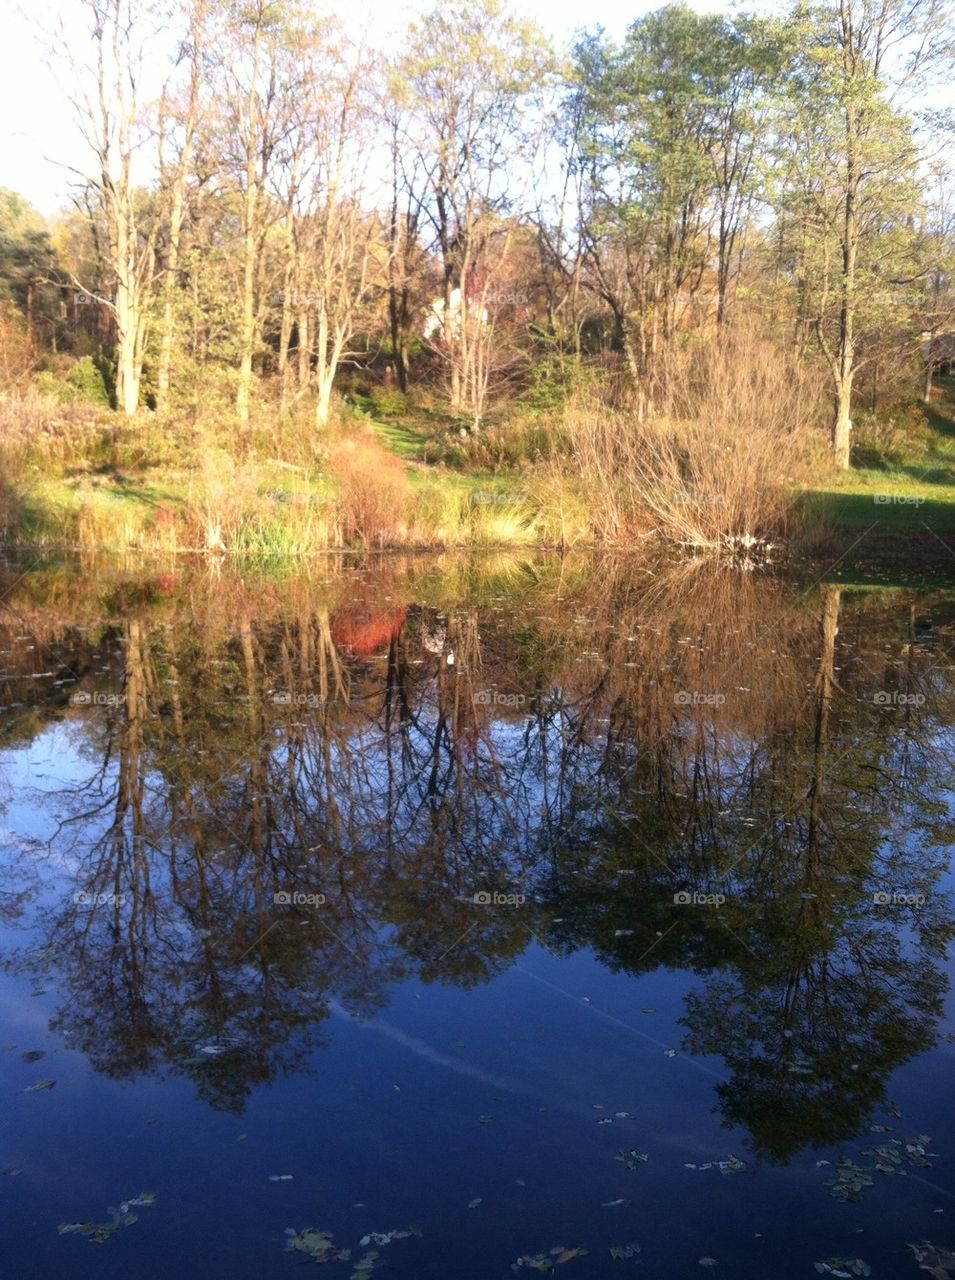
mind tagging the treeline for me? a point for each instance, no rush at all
(267, 199)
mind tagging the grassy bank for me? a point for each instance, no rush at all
(78, 477)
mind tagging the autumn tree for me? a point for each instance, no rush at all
(106, 91)
(472, 74)
(855, 170)
(668, 125)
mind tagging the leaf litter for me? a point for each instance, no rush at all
(888, 1158)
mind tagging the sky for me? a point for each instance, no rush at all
(38, 136)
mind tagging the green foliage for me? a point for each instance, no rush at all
(87, 380)
(83, 383)
(388, 402)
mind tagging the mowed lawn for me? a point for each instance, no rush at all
(888, 499)
(917, 492)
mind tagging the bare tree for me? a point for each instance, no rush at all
(106, 94)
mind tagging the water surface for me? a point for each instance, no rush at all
(514, 906)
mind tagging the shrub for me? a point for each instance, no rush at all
(87, 380)
(721, 470)
(388, 402)
(372, 491)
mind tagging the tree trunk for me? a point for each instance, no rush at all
(128, 367)
(247, 315)
(168, 306)
(928, 376)
(304, 347)
(842, 424)
(324, 375)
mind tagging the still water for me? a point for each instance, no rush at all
(446, 919)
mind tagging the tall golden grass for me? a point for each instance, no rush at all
(721, 468)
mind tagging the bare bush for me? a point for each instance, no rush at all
(721, 470)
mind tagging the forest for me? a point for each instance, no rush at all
(317, 288)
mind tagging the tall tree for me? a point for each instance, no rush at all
(179, 121)
(667, 137)
(106, 94)
(857, 159)
(473, 75)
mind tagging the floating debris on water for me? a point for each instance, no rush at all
(100, 1232)
(843, 1267)
(630, 1159)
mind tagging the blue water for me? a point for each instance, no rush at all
(391, 1062)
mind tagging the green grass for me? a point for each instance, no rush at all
(914, 487)
(890, 500)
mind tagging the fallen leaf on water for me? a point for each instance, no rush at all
(366, 1266)
(281, 1177)
(707, 1262)
(547, 1262)
(568, 1255)
(843, 1267)
(39, 1087)
(100, 1232)
(630, 1159)
(144, 1198)
(315, 1244)
(33, 1055)
(381, 1238)
(613, 1204)
(938, 1262)
(473, 1204)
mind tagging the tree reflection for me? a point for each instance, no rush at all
(291, 800)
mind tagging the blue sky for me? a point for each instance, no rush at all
(38, 129)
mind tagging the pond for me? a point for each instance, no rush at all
(475, 917)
